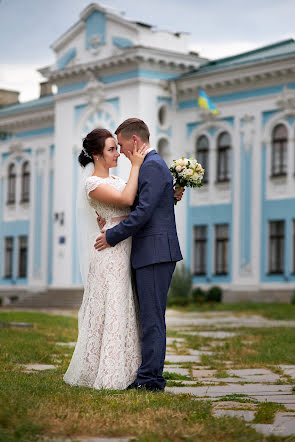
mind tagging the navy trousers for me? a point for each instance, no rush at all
(152, 283)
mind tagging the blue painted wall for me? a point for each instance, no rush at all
(95, 24)
(275, 210)
(209, 216)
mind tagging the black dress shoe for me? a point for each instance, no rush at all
(148, 386)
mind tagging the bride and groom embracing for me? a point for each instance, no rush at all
(122, 330)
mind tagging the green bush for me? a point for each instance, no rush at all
(293, 298)
(198, 295)
(181, 287)
(214, 294)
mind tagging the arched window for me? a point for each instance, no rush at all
(223, 157)
(279, 150)
(25, 182)
(163, 150)
(202, 154)
(11, 184)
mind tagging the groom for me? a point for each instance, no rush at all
(155, 249)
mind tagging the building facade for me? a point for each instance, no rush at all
(237, 231)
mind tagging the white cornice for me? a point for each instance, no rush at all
(25, 119)
(238, 75)
(135, 54)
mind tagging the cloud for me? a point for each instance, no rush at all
(225, 49)
(23, 78)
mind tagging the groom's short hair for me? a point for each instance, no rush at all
(134, 126)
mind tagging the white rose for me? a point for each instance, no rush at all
(178, 168)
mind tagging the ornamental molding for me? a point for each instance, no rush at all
(248, 131)
(235, 77)
(138, 54)
(94, 91)
(286, 100)
(16, 145)
(27, 118)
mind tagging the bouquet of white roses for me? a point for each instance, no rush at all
(187, 172)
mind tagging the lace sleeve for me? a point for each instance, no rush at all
(92, 183)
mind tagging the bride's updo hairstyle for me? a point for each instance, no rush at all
(93, 144)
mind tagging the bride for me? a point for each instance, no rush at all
(108, 351)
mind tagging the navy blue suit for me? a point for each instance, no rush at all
(155, 250)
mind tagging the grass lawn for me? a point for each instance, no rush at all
(40, 405)
(269, 311)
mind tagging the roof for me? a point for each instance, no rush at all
(45, 101)
(273, 51)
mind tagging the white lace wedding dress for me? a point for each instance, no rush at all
(108, 352)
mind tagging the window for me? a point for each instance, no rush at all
(202, 154)
(25, 182)
(162, 115)
(8, 257)
(276, 246)
(221, 249)
(279, 151)
(200, 250)
(163, 150)
(223, 157)
(22, 256)
(11, 184)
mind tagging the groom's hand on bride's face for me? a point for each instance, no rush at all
(101, 242)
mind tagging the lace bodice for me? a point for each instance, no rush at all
(107, 211)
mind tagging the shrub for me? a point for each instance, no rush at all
(214, 294)
(181, 287)
(198, 295)
(293, 298)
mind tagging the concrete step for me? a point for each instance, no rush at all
(51, 298)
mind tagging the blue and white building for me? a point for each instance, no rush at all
(237, 231)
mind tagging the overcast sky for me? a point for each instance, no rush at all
(218, 28)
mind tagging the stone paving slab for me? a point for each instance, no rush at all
(66, 344)
(174, 320)
(182, 358)
(38, 367)
(289, 370)
(252, 390)
(283, 425)
(247, 415)
(177, 370)
(171, 341)
(285, 399)
(215, 334)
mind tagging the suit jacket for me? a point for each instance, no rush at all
(151, 222)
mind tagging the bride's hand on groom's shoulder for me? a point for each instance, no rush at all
(101, 242)
(100, 221)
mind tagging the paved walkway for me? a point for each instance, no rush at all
(238, 391)
(255, 384)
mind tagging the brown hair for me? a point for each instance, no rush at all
(93, 143)
(134, 126)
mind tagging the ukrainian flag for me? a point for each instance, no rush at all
(205, 102)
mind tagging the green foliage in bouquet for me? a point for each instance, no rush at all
(181, 287)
